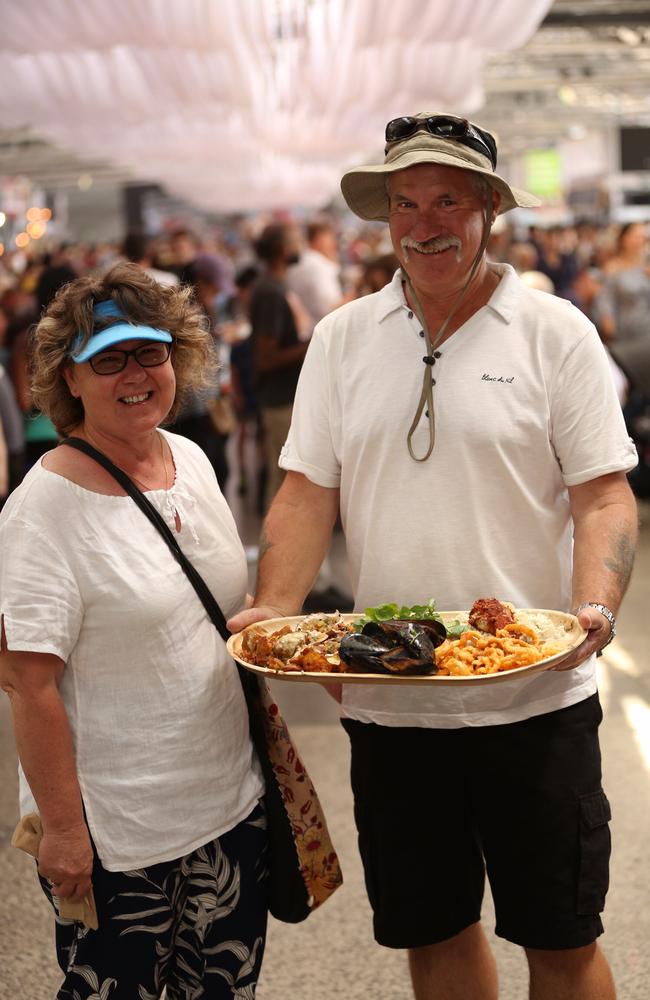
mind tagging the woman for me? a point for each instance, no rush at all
(130, 721)
(624, 304)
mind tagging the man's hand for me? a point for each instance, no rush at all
(65, 859)
(598, 632)
(251, 615)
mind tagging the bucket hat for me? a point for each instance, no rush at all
(471, 148)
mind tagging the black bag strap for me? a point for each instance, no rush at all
(200, 586)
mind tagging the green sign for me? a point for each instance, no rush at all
(543, 173)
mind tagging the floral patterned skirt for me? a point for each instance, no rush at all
(195, 926)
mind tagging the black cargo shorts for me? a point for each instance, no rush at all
(436, 809)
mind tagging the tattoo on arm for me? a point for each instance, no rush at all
(621, 559)
(264, 546)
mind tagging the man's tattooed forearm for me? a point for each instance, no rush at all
(264, 546)
(621, 560)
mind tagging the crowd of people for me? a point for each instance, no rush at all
(277, 284)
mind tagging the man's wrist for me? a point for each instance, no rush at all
(606, 613)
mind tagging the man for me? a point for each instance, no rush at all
(316, 278)
(477, 451)
(57, 271)
(277, 350)
(316, 282)
(185, 247)
(138, 249)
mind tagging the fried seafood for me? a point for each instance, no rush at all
(312, 644)
(515, 645)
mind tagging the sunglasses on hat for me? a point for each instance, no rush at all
(444, 127)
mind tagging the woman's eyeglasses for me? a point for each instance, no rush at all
(445, 127)
(147, 355)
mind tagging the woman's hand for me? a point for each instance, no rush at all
(65, 859)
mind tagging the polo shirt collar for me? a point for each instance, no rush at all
(503, 300)
(391, 297)
(506, 295)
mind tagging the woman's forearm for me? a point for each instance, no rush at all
(46, 752)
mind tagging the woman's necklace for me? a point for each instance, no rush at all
(162, 455)
(145, 487)
(131, 475)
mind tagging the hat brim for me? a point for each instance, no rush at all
(364, 188)
(115, 335)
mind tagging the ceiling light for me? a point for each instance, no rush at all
(36, 229)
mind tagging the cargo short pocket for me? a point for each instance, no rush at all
(595, 849)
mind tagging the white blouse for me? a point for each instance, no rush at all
(158, 718)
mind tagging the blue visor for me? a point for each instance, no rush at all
(102, 339)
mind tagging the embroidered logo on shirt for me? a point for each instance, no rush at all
(496, 378)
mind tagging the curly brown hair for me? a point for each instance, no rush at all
(143, 300)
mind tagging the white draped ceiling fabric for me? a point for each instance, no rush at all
(244, 104)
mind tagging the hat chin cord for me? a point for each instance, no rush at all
(426, 395)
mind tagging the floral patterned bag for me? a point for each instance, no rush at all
(303, 867)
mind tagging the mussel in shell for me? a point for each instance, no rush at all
(393, 647)
(363, 653)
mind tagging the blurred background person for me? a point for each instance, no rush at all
(277, 349)
(4, 326)
(523, 256)
(316, 277)
(137, 249)
(12, 427)
(376, 272)
(200, 415)
(184, 246)
(557, 257)
(4, 468)
(235, 329)
(40, 433)
(538, 280)
(56, 272)
(625, 299)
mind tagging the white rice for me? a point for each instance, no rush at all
(548, 629)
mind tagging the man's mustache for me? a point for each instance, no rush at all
(434, 245)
